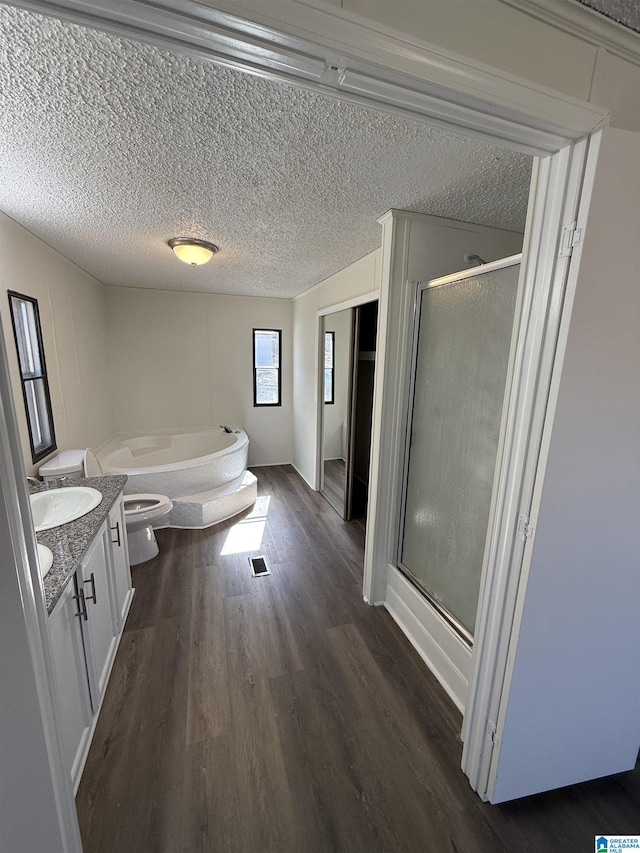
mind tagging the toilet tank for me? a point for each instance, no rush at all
(67, 463)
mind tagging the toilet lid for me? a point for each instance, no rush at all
(92, 466)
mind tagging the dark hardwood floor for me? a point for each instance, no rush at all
(281, 713)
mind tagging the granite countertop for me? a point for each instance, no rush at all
(69, 542)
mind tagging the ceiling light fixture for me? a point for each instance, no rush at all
(191, 251)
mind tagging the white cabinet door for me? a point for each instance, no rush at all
(120, 563)
(100, 631)
(74, 703)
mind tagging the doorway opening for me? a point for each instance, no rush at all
(347, 374)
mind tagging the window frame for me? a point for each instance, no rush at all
(41, 450)
(332, 369)
(256, 368)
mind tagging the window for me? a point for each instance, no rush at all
(267, 352)
(33, 374)
(329, 376)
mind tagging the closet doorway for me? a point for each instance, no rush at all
(347, 369)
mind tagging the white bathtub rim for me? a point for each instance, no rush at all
(241, 439)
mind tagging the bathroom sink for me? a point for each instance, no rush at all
(59, 506)
(45, 559)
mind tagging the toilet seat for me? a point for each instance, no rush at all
(140, 513)
(91, 464)
(143, 509)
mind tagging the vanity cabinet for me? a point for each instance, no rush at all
(98, 624)
(120, 560)
(74, 701)
(85, 627)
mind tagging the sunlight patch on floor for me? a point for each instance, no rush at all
(247, 534)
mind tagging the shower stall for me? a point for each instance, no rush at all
(462, 340)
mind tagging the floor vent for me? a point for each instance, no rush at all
(259, 566)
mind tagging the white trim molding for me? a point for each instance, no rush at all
(555, 201)
(440, 647)
(363, 299)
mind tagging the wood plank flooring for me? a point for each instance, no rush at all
(281, 713)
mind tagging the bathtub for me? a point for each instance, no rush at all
(203, 472)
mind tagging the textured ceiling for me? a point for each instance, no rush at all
(110, 147)
(625, 12)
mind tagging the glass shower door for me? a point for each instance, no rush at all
(463, 335)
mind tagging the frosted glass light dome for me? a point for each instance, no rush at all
(191, 251)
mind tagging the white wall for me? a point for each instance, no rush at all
(74, 330)
(504, 37)
(185, 360)
(335, 415)
(357, 279)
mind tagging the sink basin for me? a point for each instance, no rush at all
(45, 559)
(59, 506)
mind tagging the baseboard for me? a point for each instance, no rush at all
(300, 474)
(445, 653)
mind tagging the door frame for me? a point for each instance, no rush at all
(529, 423)
(48, 774)
(327, 51)
(371, 296)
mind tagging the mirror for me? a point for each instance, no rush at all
(337, 330)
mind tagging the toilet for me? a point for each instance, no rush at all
(141, 512)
